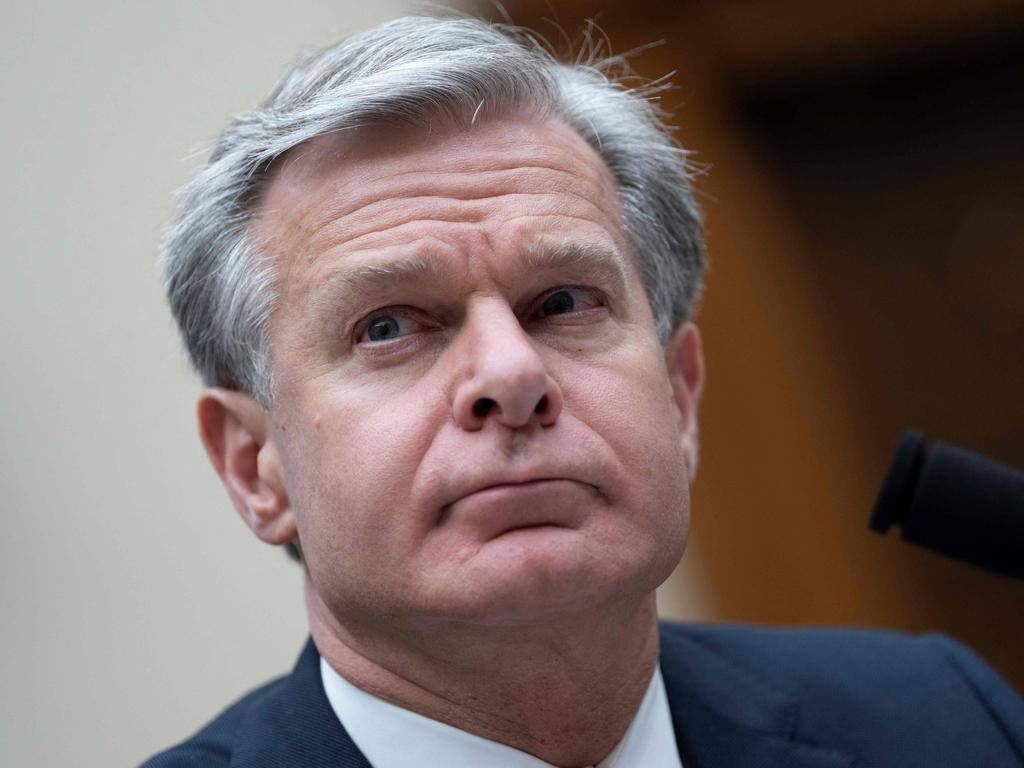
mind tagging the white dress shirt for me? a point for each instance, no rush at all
(392, 737)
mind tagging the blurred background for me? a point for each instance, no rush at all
(865, 215)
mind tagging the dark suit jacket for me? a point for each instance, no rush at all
(739, 696)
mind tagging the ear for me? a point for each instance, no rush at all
(684, 359)
(234, 428)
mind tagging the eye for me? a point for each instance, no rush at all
(567, 301)
(385, 326)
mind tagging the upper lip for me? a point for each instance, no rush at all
(501, 483)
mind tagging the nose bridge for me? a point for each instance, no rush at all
(501, 345)
(505, 376)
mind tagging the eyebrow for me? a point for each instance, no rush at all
(604, 261)
(343, 286)
(347, 283)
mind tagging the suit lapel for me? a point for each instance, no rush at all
(295, 727)
(726, 717)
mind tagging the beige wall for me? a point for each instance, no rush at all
(134, 605)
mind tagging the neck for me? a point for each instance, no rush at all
(564, 689)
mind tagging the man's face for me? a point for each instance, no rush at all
(473, 417)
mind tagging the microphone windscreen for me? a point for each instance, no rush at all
(969, 507)
(955, 502)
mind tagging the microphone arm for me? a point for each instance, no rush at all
(956, 502)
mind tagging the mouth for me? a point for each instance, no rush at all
(509, 487)
(497, 508)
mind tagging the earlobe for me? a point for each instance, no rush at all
(235, 431)
(684, 358)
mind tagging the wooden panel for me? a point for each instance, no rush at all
(756, 37)
(794, 445)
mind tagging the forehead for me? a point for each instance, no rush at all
(337, 187)
(376, 153)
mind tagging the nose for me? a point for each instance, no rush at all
(506, 379)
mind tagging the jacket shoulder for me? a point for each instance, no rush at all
(885, 683)
(212, 746)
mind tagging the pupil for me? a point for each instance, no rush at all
(559, 303)
(382, 329)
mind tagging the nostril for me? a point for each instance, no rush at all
(483, 406)
(542, 405)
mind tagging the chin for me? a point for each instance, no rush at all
(534, 575)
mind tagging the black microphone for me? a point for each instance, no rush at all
(956, 502)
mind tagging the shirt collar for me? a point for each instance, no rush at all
(392, 737)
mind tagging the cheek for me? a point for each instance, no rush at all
(631, 408)
(350, 462)
(629, 403)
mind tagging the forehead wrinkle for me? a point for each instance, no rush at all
(454, 188)
(509, 165)
(362, 159)
(447, 183)
(368, 222)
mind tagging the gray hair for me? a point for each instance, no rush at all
(407, 72)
